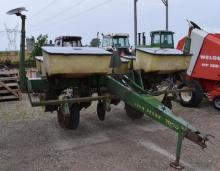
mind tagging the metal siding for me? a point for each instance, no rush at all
(208, 63)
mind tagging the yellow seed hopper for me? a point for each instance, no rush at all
(75, 61)
(163, 61)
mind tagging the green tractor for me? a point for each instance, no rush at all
(159, 39)
(162, 39)
(119, 45)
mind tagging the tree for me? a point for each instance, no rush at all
(41, 40)
(95, 42)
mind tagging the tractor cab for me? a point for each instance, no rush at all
(117, 42)
(68, 41)
(162, 39)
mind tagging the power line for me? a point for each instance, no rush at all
(44, 8)
(81, 13)
(88, 10)
(68, 9)
(61, 12)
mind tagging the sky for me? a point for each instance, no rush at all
(87, 17)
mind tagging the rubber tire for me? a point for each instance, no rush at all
(197, 94)
(69, 121)
(168, 103)
(74, 118)
(214, 103)
(133, 113)
(60, 118)
(101, 111)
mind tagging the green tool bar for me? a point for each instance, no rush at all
(155, 110)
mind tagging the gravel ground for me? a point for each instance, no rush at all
(32, 140)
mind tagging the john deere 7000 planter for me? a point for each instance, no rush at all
(69, 77)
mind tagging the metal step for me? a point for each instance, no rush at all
(5, 98)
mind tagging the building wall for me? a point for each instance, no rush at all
(13, 56)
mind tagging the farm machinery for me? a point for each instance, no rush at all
(158, 38)
(70, 78)
(204, 66)
(68, 41)
(117, 43)
(163, 69)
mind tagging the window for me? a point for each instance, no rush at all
(121, 42)
(166, 40)
(156, 39)
(71, 44)
(106, 42)
(162, 40)
(57, 43)
(67, 44)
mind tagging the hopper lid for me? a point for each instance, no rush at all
(159, 51)
(75, 51)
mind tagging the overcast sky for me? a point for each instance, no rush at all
(87, 17)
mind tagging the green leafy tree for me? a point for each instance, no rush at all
(41, 40)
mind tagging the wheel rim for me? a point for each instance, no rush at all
(186, 96)
(217, 102)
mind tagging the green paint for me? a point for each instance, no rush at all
(38, 85)
(179, 146)
(22, 73)
(148, 105)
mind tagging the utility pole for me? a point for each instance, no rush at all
(165, 2)
(22, 72)
(135, 23)
(167, 13)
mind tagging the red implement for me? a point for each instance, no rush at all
(205, 63)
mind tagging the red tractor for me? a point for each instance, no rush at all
(205, 63)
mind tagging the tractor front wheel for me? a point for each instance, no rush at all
(216, 103)
(133, 113)
(191, 98)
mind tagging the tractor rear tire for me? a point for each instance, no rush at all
(216, 103)
(194, 97)
(133, 113)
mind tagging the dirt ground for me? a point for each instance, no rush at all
(32, 140)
